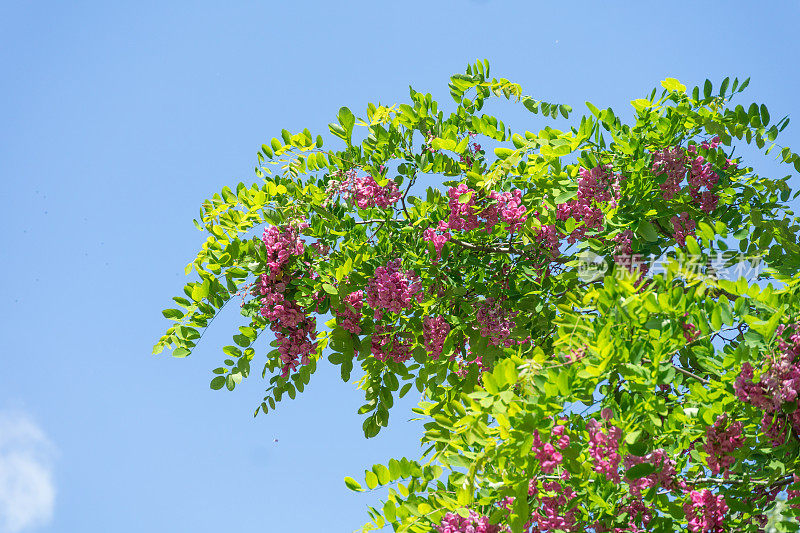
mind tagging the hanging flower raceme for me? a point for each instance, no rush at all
(721, 441)
(684, 226)
(364, 190)
(468, 210)
(463, 211)
(705, 512)
(553, 511)
(388, 344)
(595, 188)
(370, 194)
(392, 289)
(604, 446)
(434, 333)
(350, 313)
(662, 477)
(495, 321)
(474, 523)
(678, 164)
(508, 207)
(549, 455)
(778, 385)
(438, 239)
(672, 162)
(471, 359)
(295, 329)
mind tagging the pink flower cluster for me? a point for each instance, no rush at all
(438, 239)
(595, 186)
(779, 384)
(705, 512)
(463, 213)
(662, 477)
(604, 446)
(295, 330)
(690, 331)
(474, 523)
(473, 149)
(434, 333)
(392, 289)
(623, 242)
(549, 239)
(282, 245)
(721, 441)
(701, 175)
(495, 321)
(365, 190)
(638, 513)
(349, 314)
(466, 212)
(673, 162)
(387, 344)
(683, 227)
(553, 512)
(547, 454)
(508, 207)
(465, 362)
(370, 194)
(342, 185)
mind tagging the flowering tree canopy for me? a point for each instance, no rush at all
(572, 305)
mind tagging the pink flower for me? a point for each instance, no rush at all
(683, 227)
(705, 512)
(392, 289)
(438, 240)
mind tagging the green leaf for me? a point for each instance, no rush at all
(565, 196)
(383, 474)
(330, 289)
(371, 479)
(648, 231)
(640, 104)
(764, 115)
(232, 351)
(640, 470)
(352, 484)
(389, 511)
(672, 85)
(632, 436)
(173, 314)
(241, 340)
(503, 153)
(180, 352)
(530, 104)
(724, 86)
(692, 246)
(347, 120)
(218, 382)
(707, 88)
(338, 131)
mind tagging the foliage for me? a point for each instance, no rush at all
(628, 396)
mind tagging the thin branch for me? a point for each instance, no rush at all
(684, 372)
(376, 220)
(482, 248)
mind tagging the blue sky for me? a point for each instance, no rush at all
(119, 118)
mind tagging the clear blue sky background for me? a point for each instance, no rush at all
(119, 118)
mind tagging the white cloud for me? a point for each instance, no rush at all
(27, 492)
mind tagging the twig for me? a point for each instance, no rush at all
(684, 372)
